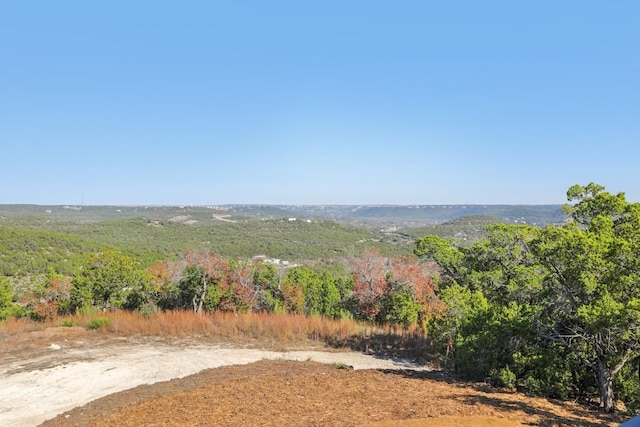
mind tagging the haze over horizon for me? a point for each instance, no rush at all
(289, 103)
(223, 205)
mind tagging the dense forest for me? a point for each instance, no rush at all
(549, 309)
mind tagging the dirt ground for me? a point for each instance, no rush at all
(277, 392)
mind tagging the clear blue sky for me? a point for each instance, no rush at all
(301, 102)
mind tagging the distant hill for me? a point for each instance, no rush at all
(34, 237)
(367, 215)
(79, 214)
(419, 215)
(463, 230)
(30, 244)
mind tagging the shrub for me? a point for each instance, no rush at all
(98, 322)
(67, 322)
(149, 310)
(503, 378)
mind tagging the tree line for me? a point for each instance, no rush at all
(369, 287)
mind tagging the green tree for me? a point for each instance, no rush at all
(8, 307)
(320, 292)
(489, 291)
(331, 296)
(400, 307)
(592, 287)
(267, 282)
(193, 290)
(449, 258)
(564, 296)
(309, 285)
(110, 280)
(202, 284)
(462, 307)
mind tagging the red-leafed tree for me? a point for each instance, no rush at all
(203, 280)
(413, 274)
(411, 294)
(51, 298)
(397, 290)
(242, 294)
(369, 282)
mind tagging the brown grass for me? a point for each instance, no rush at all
(272, 331)
(13, 327)
(284, 328)
(285, 393)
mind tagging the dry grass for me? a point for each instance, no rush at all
(285, 393)
(284, 328)
(13, 327)
(264, 330)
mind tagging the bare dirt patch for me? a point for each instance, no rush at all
(59, 369)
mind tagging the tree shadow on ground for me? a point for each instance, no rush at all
(499, 399)
(547, 418)
(410, 350)
(398, 347)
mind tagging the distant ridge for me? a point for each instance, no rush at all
(401, 216)
(417, 215)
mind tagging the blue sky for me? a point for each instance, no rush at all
(349, 102)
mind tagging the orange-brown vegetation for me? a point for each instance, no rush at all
(279, 393)
(47, 299)
(261, 326)
(375, 276)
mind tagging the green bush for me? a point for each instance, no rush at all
(503, 378)
(149, 310)
(67, 322)
(98, 322)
